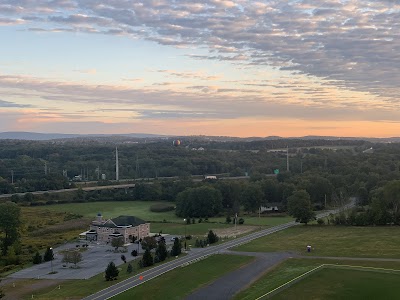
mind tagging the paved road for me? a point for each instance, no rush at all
(227, 286)
(190, 258)
(91, 188)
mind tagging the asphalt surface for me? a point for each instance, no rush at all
(94, 261)
(227, 286)
(90, 188)
(192, 257)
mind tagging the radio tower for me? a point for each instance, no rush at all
(116, 165)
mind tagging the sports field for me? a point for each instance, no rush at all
(293, 268)
(337, 241)
(335, 283)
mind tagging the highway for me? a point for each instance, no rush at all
(192, 257)
(91, 188)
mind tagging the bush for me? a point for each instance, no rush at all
(37, 258)
(228, 219)
(129, 269)
(161, 207)
(320, 221)
(241, 221)
(134, 253)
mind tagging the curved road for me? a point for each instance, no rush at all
(191, 258)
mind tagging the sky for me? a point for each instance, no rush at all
(214, 67)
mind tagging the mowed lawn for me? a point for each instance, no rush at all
(295, 267)
(344, 284)
(180, 282)
(141, 209)
(345, 241)
(112, 209)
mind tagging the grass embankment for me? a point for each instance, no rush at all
(292, 268)
(181, 282)
(76, 289)
(336, 241)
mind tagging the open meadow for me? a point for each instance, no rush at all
(292, 268)
(337, 241)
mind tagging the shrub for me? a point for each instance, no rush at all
(320, 221)
(37, 258)
(212, 237)
(241, 221)
(134, 253)
(129, 269)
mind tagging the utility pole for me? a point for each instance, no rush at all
(12, 176)
(287, 158)
(116, 165)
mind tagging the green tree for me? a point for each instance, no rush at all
(117, 242)
(11, 257)
(149, 242)
(9, 224)
(199, 202)
(37, 258)
(252, 197)
(129, 269)
(299, 206)
(72, 256)
(48, 255)
(212, 237)
(391, 192)
(111, 272)
(161, 251)
(147, 259)
(176, 248)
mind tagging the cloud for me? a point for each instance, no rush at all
(12, 104)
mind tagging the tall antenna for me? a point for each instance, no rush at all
(287, 158)
(116, 165)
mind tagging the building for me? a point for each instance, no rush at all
(102, 230)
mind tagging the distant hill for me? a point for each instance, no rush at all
(34, 136)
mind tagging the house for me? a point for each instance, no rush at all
(123, 226)
(271, 207)
(210, 177)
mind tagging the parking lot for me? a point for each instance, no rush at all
(94, 261)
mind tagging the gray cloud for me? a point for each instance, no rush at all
(350, 44)
(12, 104)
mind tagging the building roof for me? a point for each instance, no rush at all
(128, 220)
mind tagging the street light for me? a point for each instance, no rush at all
(51, 261)
(185, 231)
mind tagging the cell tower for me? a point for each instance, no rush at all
(116, 165)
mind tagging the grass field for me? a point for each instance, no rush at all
(335, 241)
(292, 268)
(180, 282)
(344, 284)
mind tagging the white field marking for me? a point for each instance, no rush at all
(286, 283)
(362, 267)
(329, 265)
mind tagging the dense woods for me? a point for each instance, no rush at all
(329, 171)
